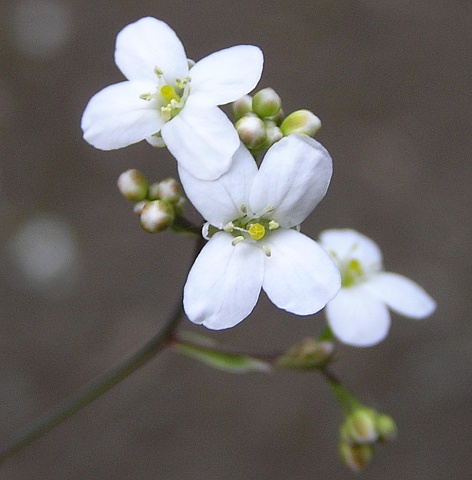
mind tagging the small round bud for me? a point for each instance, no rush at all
(251, 130)
(133, 185)
(242, 106)
(266, 103)
(138, 207)
(169, 190)
(360, 426)
(386, 428)
(156, 216)
(301, 121)
(273, 135)
(356, 457)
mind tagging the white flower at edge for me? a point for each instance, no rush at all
(253, 217)
(359, 314)
(166, 102)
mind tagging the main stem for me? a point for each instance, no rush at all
(95, 388)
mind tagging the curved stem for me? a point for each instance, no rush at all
(97, 387)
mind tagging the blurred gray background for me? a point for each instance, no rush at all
(82, 286)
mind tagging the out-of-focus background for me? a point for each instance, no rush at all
(82, 286)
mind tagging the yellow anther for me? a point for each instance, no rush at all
(273, 225)
(257, 231)
(169, 94)
(145, 96)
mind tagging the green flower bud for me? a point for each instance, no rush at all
(266, 103)
(133, 185)
(251, 130)
(360, 426)
(273, 135)
(356, 457)
(301, 121)
(242, 106)
(169, 190)
(386, 428)
(277, 118)
(307, 355)
(156, 216)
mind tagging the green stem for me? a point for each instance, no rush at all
(344, 397)
(95, 388)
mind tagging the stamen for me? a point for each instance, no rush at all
(266, 250)
(237, 240)
(146, 96)
(229, 227)
(256, 230)
(158, 72)
(273, 225)
(243, 209)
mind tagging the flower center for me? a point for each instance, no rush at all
(256, 231)
(170, 99)
(351, 273)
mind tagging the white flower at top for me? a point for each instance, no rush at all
(359, 314)
(168, 103)
(254, 241)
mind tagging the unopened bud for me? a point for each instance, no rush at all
(242, 106)
(169, 190)
(360, 426)
(133, 185)
(301, 121)
(266, 103)
(307, 355)
(251, 130)
(273, 135)
(386, 428)
(156, 216)
(356, 457)
(138, 207)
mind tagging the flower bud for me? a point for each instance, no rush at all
(242, 106)
(266, 103)
(356, 457)
(273, 135)
(307, 355)
(386, 428)
(301, 121)
(138, 207)
(169, 190)
(251, 130)
(156, 216)
(360, 426)
(133, 185)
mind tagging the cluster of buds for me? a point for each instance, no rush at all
(156, 204)
(362, 428)
(260, 120)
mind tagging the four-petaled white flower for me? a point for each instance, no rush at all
(359, 314)
(166, 102)
(253, 217)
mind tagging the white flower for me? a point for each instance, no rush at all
(359, 314)
(165, 102)
(254, 242)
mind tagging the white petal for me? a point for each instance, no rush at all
(347, 244)
(401, 294)
(300, 276)
(116, 117)
(226, 75)
(219, 201)
(358, 318)
(224, 283)
(293, 177)
(146, 44)
(202, 140)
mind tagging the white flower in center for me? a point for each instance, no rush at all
(359, 314)
(254, 242)
(168, 103)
